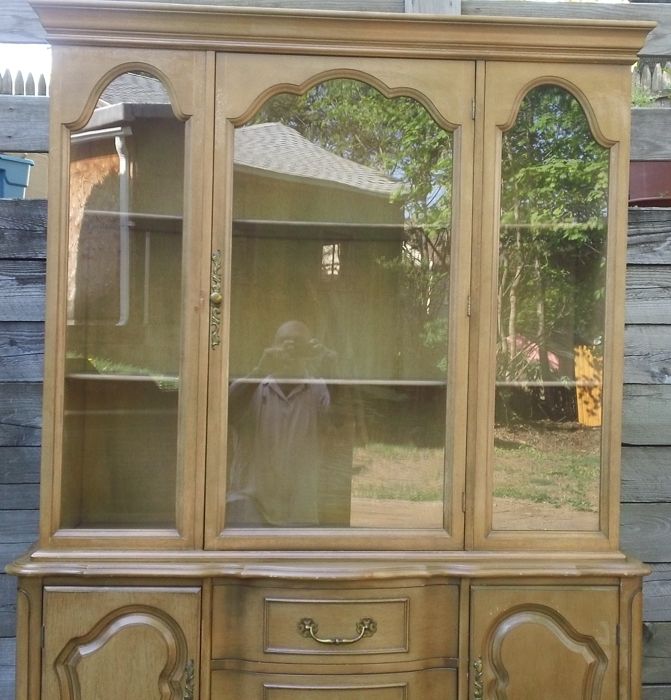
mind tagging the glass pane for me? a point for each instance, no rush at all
(123, 307)
(551, 290)
(341, 254)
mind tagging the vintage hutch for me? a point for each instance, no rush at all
(334, 359)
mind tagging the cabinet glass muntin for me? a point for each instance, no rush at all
(330, 258)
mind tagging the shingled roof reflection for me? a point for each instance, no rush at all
(273, 148)
(281, 150)
(135, 88)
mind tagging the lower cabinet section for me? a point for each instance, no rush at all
(223, 638)
(421, 685)
(112, 643)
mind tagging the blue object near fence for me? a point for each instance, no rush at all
(14, 175)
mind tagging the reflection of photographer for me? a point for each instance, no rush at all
(295, 353)
(278, 425)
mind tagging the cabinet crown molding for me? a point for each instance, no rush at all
(271, 30)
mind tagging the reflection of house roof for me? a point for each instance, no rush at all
(135, 88)
(281, 150)
(275, 149)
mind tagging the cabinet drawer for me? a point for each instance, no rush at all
(433, 684)
(330, 625)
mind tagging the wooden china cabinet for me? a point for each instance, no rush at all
(334, 359)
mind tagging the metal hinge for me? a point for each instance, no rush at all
(617, 635)
(468, 306)
(42, 635)
(463, 501)
(473, 109)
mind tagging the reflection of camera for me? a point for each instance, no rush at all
(300, 349)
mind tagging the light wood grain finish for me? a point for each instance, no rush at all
(244, 84)
(414, 36)
(268, 620)
(122, 607)
(511, 625)
(657, 43)
(131, 641)
(389, 686)
(184, 77)
(608, 117)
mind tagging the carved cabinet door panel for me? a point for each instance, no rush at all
(551, 642)
(110, 643)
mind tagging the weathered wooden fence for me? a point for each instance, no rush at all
(22, 268)
(646, 452)
(18, 85)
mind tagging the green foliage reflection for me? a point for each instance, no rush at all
(552, 241)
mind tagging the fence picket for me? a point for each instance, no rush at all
(19, 86)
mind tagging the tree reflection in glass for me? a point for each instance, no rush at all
(550, 318)
(341, 235)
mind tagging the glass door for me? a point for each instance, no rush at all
(545, 441)
(125, 461)
(340, 278)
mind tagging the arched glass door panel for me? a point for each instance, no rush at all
(551, 318)
(122, 380)
(340, 280)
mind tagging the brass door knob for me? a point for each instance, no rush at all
(216, 298)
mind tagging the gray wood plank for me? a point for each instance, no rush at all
(7, 606)
(24, 123)
(434, 7)
(19, 465)
(647, 354)
(19, 497)
(648, 294)
(7, 623)
(645, 531)
(646, 475)
(649, 235)
(344, 5)
(646, 126)
(7, 650)
(658, 41)
(7, 682)
(9, 551)
(23, 229)
(7, 661)
(22, 290)
(657, 594)
(21, 352)
(656, 653)
(20, 25)
(20, 414)
(18, 527)
(656, 692)
(646, 418)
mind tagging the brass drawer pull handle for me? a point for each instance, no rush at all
(365, 627)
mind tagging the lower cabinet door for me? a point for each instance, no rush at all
(434, 684)
(550, 642)
(117, 643)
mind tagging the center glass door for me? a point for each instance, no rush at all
(338, 303)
